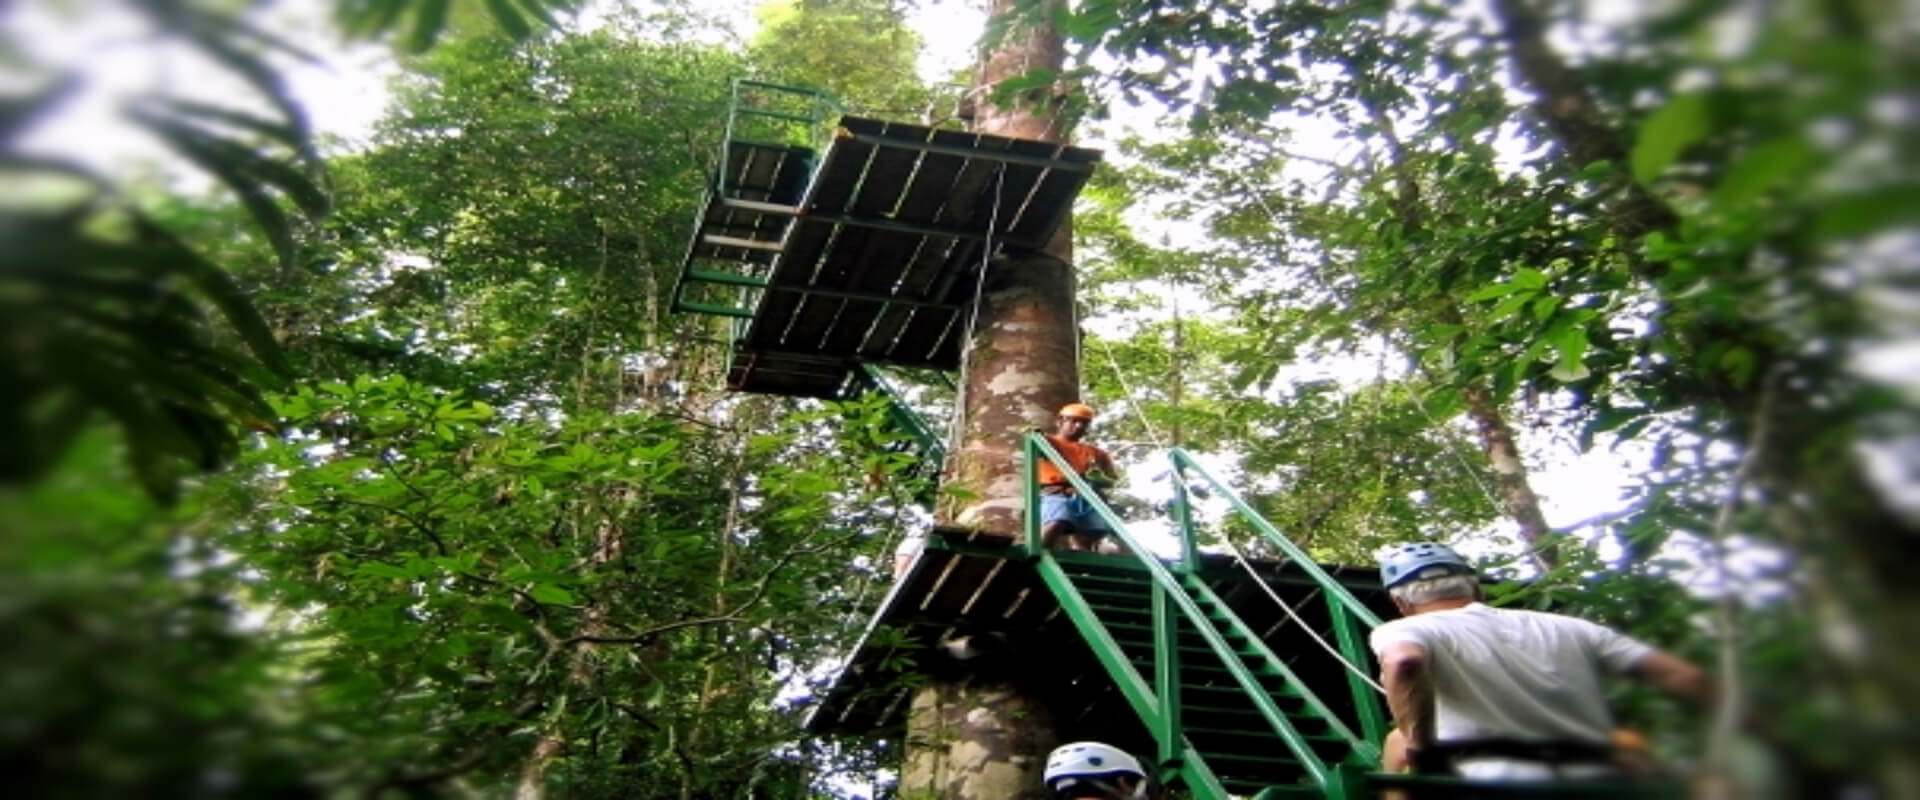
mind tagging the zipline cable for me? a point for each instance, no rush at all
(1239, 556)
(956, 434)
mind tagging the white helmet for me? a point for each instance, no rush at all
(1094, 764)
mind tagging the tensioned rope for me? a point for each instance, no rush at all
(1239, 556)
(956, 433)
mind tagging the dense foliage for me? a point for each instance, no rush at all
(405, 481)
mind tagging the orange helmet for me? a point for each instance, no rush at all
(1077, 411)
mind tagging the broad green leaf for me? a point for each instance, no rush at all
(1869, 212)
(429, 17)
(1781, 162)
(375, 569)
(509, 18)
(551, 594)
(1493, 291)
(1667, 133)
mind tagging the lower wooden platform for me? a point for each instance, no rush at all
(972, 605)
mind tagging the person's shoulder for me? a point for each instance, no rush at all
(1416, 624)
(1549, 619)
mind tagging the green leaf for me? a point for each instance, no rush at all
(1869, 212)
(1782, 161)
(1571, 344)
(429, 17)
(1496, 290)
(223, 291)
(1008, 90)
(195, 147)
(551, 595)
(375, 569)
(1667, 133)
(509, 19)
(1091, 20)
(19, 112)
(1739, 363)
(1529, 278)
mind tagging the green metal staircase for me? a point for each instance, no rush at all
(1228, 716)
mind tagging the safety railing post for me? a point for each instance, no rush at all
(1183, 516)
(1179, 598)
(1346, 632)
(1030, 488)
(1166, 675)
(1332, 587)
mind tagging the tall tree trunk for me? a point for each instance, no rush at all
(976, 740)
(988, 740)
(1020, 362)
(1859, 551)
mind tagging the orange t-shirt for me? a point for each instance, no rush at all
(1079, 456)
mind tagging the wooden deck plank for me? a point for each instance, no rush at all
(922, 336)
(873, 259)
(832, 188)
(861, 327)
(906, 174)
(1015, 189)
(1050, 201)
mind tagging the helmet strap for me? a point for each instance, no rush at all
(1105, 788)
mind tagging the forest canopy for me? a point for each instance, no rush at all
(384, 467)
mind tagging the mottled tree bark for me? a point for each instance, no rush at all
(976, 740)
(1020, 363)
(973, 739)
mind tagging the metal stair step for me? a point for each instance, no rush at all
(1262, 736)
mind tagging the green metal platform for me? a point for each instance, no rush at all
(869, 255)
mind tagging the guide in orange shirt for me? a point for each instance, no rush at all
(1067, 521)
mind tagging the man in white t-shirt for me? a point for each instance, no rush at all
(1499, 694)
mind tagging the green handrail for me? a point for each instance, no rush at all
(1184, 461)
(1342, 607)
(1155, 709)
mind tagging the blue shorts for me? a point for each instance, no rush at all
(1073, 510)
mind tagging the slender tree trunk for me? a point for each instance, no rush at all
(1509, 471)
(987, 740)
(1858, 550)
(1497, 439)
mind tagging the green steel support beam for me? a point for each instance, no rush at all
(970, 152)
(754, 112)
(894, 225)
(727, 278)
(710, 308)
(1346, 631)
(1183, 462)
(1166, 676)
(1183, 516)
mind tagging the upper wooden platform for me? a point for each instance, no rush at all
(977, 586)
(878, 258)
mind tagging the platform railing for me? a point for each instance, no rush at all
(1352, 620)
(1173, 609)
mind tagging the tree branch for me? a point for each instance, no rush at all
(439, 545)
